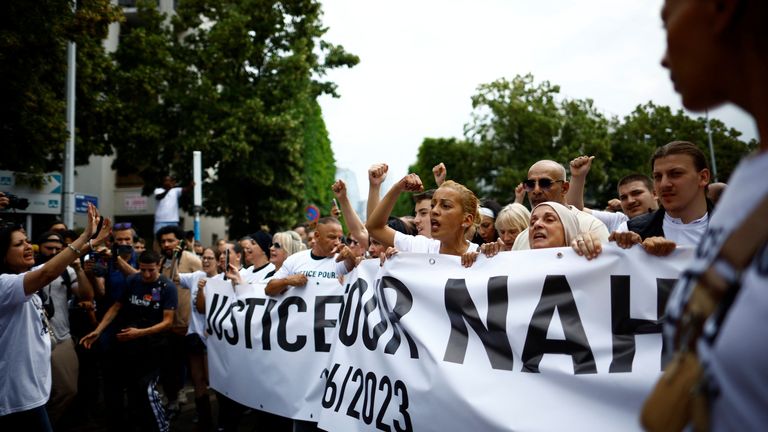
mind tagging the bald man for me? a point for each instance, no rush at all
(546, 182)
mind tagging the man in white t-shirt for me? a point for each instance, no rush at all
(546, 182)
(680, 178)
(317, 264)
(317, 269)
(167, 203)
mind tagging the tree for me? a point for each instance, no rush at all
(33, 69)
(516, 123)
(319, 163)
(238, 81)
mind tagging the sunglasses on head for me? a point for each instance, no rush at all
(122, 226)
(544, 184)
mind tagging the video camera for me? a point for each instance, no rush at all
(16, 202)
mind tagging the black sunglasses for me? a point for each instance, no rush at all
(276, 245)
(544, 184)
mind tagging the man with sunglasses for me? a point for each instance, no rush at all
(546, 182)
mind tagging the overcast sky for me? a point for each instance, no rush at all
(422, 60)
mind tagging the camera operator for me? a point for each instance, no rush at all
(25, 341)
(11, 201)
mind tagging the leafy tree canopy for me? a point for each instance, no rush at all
(516, 123)
(33, 70)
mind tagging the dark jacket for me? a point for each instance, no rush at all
(651, 224)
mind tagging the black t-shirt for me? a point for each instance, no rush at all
(144, 303)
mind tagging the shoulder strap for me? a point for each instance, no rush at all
(161, 195)
(67, 280)
(721, 280)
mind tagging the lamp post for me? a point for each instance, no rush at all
(711, 148)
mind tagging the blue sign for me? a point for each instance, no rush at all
(81, 202)
(312, 212)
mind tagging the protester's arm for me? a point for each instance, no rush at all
(344, 253)
(84, 290)
(91, 337)
(233, 274)
(130, 333)
(97, 282)
(519, 194)
(377, 221)
(124, 267)
(42, 276)
(278, 286)
(377, 173)
(440, 172)
(579, 170)
(355, 225)
(200, 298)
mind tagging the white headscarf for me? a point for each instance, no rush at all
(567, 218)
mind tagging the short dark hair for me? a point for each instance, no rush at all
(48, 236)
(237, 248)
(421, 196)
(328, 220)
(7, 228)
(681, 148)
(397, 224)
(170, 229)
(635, 178)
(149, 257)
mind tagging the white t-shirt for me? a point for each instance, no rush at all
(422, 244)
(611, 220)
(587, 223)
(683, 234)
(25, 347)
(250, 276)
(167, 209)
(197, 319)
(738, 359)
(321, 273)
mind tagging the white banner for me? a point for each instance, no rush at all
(269, 352)
(535, 340)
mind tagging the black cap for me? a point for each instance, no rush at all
(263, 239)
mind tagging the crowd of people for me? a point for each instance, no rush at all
(101, 316)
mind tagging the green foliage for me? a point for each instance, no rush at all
(319, 164)
(237, 81)
(516, 123)
(33, 69)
